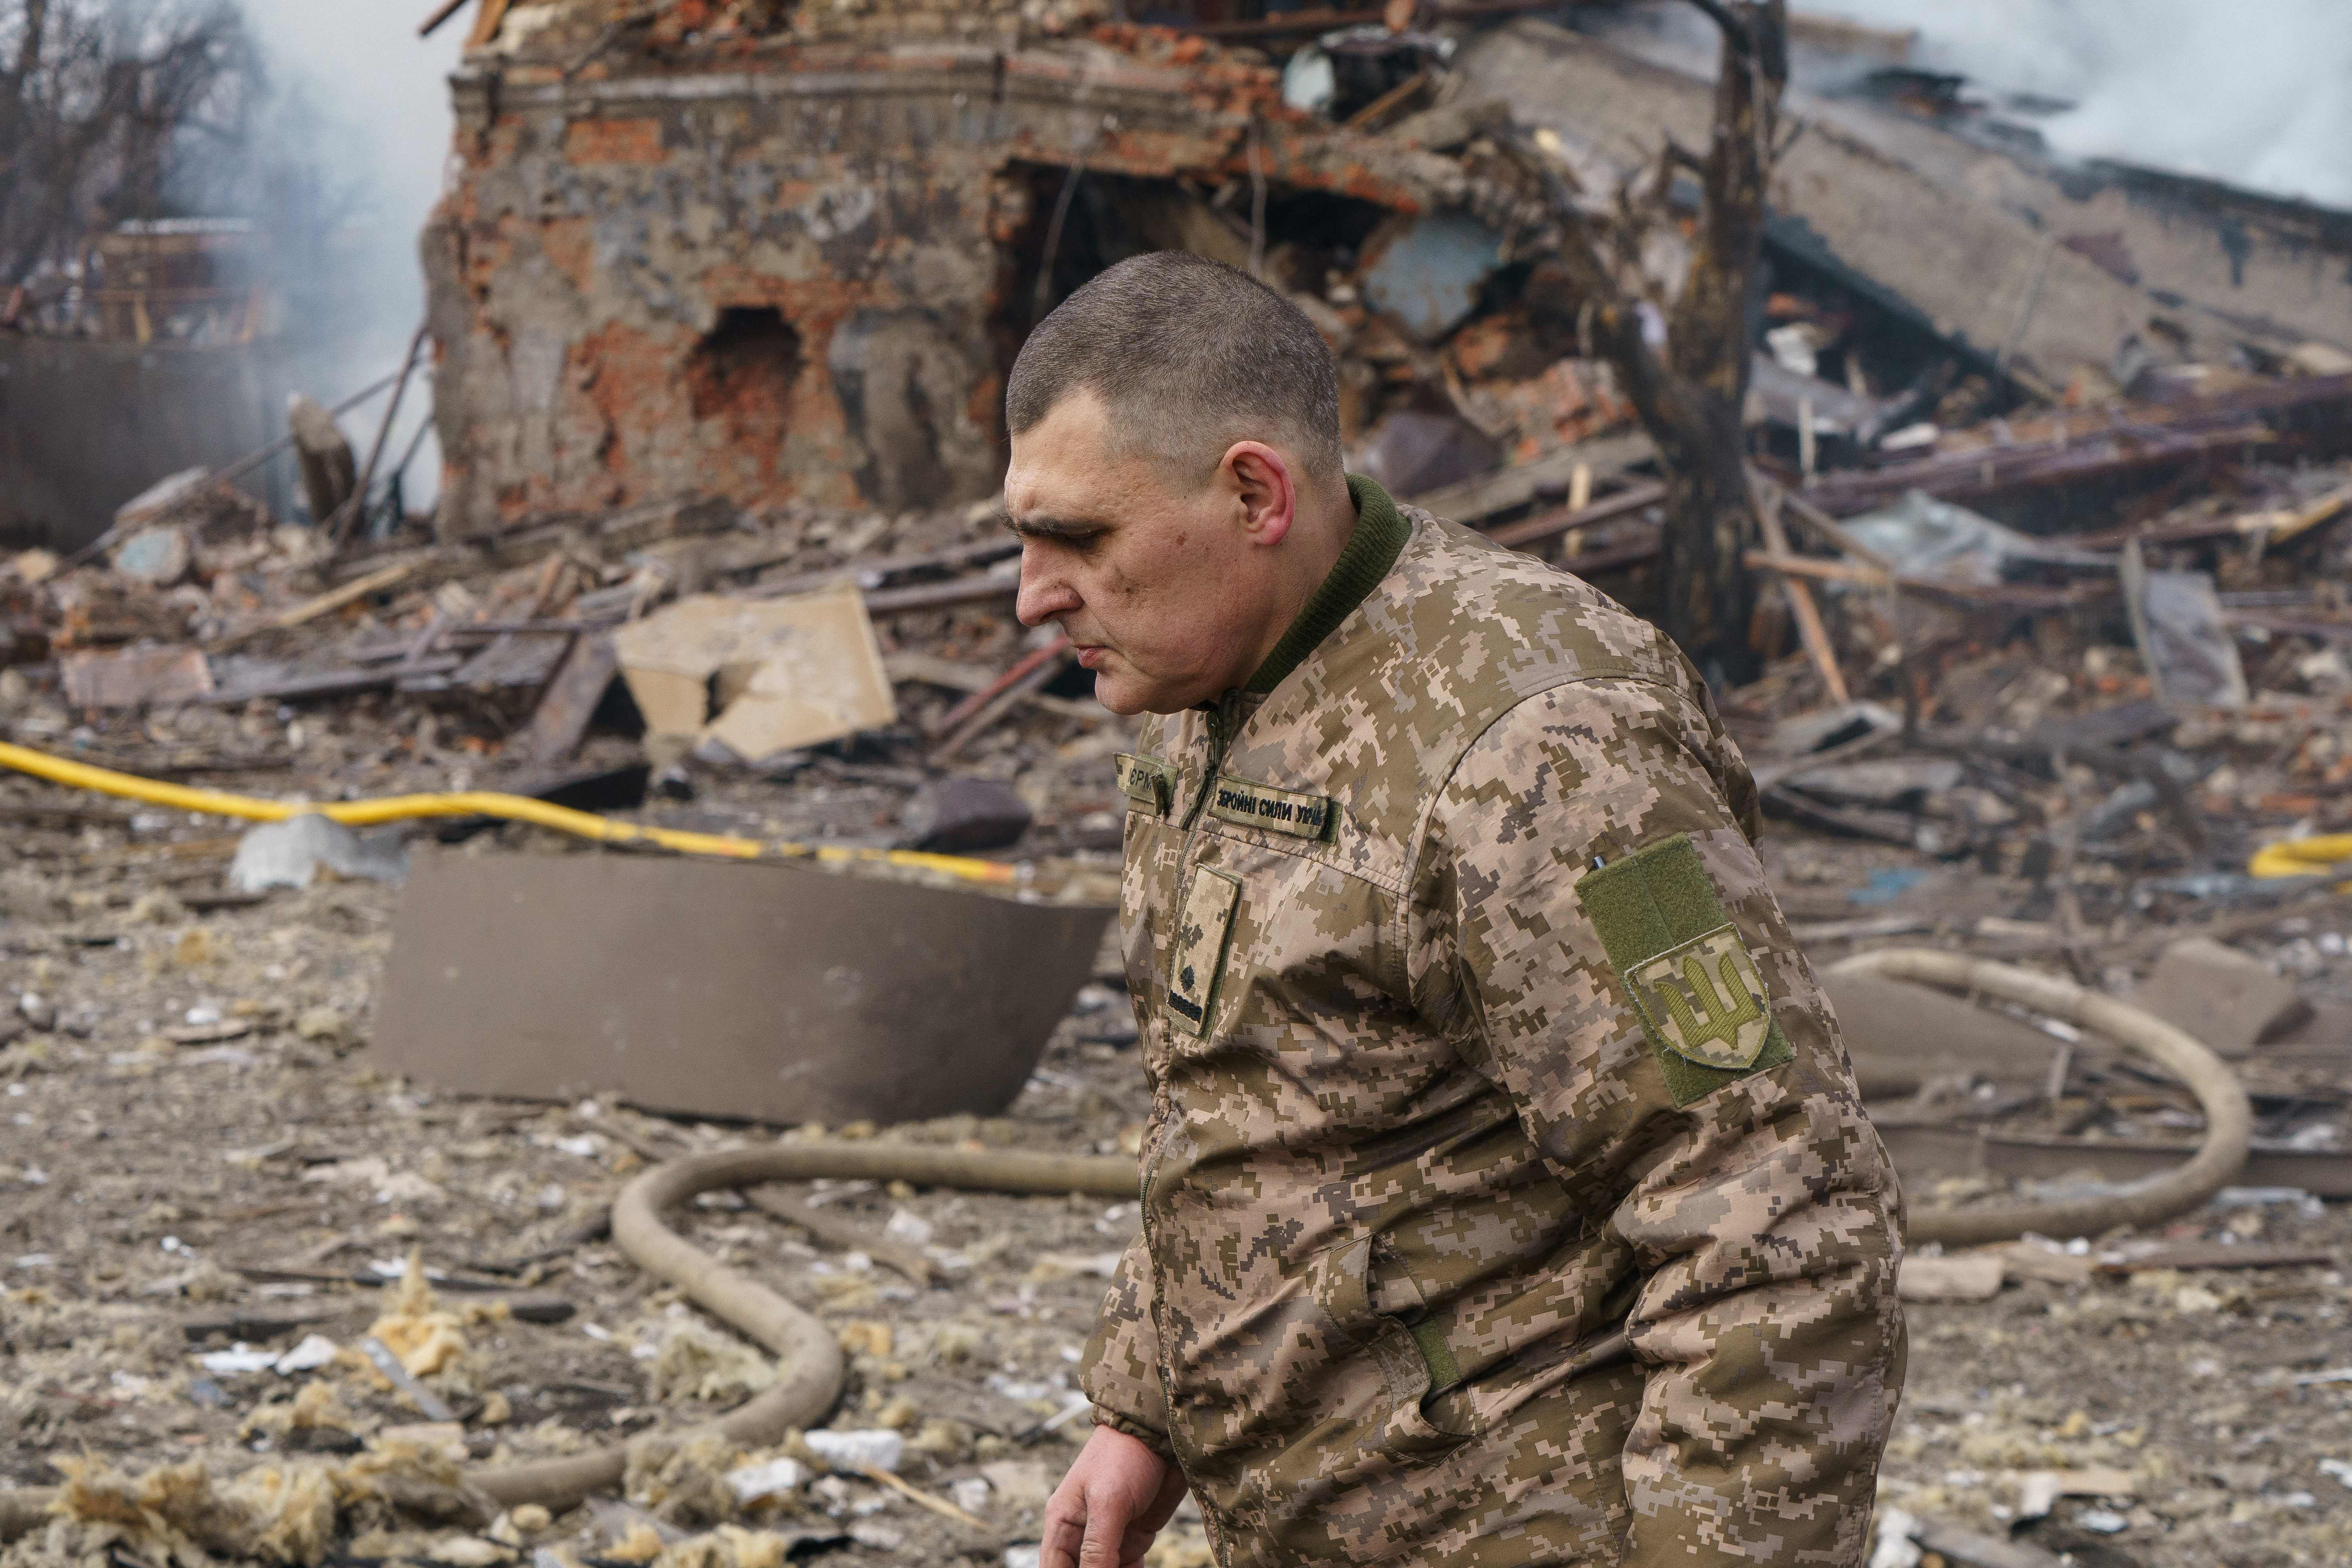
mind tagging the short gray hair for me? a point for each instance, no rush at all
(1191, 356)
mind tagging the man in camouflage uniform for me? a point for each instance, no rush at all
(1506, 1195)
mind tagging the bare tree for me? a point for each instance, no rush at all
(106, 106)
(1682, 354)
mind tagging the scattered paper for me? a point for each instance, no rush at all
(315, 1351)
(862, 1448)
(777, 1478)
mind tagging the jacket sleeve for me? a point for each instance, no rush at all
(1121, 1369)
(1755, 1206)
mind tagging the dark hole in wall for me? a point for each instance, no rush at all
(745, 368)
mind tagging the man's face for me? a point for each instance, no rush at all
(1156, 587)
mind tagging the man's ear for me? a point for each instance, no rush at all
(1263, 489)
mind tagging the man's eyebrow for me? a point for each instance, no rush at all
(1045, 527)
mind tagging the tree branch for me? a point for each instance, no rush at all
(1735, 31)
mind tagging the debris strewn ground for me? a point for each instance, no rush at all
(2054, 671)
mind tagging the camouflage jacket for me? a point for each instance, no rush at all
(1479, 1053)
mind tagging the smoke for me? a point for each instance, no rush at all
(2254, 92)
(361, 125)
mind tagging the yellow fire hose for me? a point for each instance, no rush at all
(2302, 856)
(486, 803)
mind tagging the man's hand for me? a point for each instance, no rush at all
(1106, 1510)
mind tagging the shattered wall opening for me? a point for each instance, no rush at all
(745, 371)
(702, 264)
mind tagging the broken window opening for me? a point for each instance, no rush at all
(745, 368)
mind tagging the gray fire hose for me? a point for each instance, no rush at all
(809, 1359)
(2229, 1120)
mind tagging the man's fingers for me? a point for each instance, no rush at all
(1065, 1529)
(1105, 1530)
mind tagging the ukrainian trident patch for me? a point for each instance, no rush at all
(1705, 1000)
(1693, 985)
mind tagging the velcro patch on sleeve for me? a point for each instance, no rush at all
(1279, 810)
(1701, 1000)
(1146, 781)
(1203, 926)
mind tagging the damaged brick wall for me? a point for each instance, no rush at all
(770, 268)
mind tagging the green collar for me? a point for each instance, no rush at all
(1370, 551)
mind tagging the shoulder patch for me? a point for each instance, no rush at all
(1203, 921)
(1277, 810)
(1146, 781)
(1693, 983)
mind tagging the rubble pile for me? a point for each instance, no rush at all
(2054, 672)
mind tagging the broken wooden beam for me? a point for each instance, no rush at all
(441, 12)
(311, 609)
(968, 720)
(2076, 446)
(872, 574)
(943, 596)
(1324, 20)
(2006, 596)
(1810, 629)
(560, 718)
(331, 683)
(1551, 524)
(1547, 478)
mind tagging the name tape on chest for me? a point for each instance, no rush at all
(1146, 781)
(1276, 810)
(1203, 924)
(1694, 986)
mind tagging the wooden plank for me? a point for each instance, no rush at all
(1523, 484)
(334, 599)
(1797, 566)
(942, 595)
(561, 719)
(486, 22)
(1548, 525)
(2218, 1255)
(441, 12)
(332, 683)
(871, 575)
(1305, 24)
(1810, 629)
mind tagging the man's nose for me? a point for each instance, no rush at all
(1045, 593)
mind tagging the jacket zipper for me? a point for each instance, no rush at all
(1220, 736)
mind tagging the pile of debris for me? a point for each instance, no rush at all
(2053, 650)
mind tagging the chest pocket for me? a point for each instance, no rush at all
(1196, 961)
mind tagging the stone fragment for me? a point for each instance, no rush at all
(961, 815)
(2228, 999)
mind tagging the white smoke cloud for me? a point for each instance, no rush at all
(375, 99)
(2255, 92)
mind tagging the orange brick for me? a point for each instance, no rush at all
(615, 141)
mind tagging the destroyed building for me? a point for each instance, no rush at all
(787, 252)
(790, 252)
